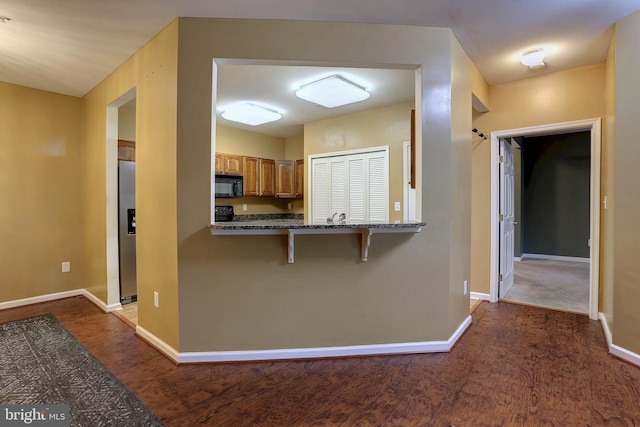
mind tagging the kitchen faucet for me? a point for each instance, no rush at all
(330, 219)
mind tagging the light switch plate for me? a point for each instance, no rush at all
(66, 267)
(396, 206)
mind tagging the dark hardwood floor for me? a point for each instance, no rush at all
(515, 366)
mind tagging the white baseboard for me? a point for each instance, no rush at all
(553, 257)
(40, 298)
(304, 353)
(605, 328)
(60, 295)
(620, 352)
(159, 345)
(480, 295)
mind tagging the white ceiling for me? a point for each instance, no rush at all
(69, 46)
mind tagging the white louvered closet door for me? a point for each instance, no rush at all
(354, 184)
(378, 187)
(320, 176)
(357, 189)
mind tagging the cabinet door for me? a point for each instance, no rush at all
(250, 176)
(219, 163)
(267, 177)
(233, 164)
(285, 178)
(299, 178)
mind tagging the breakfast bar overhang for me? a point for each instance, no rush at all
(293, 228)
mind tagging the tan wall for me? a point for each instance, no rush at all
(607, 187)
(238, 292)
(390, 126)
(626, 316)
(294, 147)
(152, 71)
(553, 98)
(238, 141)
(39, 192)
(127, 122)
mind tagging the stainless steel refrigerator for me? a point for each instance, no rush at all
(127, 230)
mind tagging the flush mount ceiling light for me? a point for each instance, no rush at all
(333, 91)
(534, 58)
(250, 114)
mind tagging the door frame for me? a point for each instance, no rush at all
(111, 169)
(594, 127)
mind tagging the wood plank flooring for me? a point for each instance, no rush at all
(515, 366)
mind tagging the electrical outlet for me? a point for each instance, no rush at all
(466, 287)
(156, 299)
(288, 205)
(244, 206)
(66, 267)
(396, 206)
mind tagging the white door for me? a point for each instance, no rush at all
(356, 185)
(507, 217)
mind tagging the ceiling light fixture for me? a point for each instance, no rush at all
(333, 91)
(534, 58)
(250, 114)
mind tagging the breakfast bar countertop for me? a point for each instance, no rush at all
(296, 226)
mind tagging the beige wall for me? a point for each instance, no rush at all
(127, 122)
(40, 223)
(574, 94)
(238, 292)
(626, 294)
(152, 72)
(389, 126)
(607, 187)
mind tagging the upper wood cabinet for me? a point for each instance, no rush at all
(266, 183)
(126, 150)
(251, 176)
(285, 178)
(229, 164)
(299, 178)
(259, 176)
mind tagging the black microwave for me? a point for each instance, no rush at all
(228, 186)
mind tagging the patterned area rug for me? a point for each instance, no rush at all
(41, 362)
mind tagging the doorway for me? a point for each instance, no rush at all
(112, 222)
(497, 250)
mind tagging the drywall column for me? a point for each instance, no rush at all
(626, 294)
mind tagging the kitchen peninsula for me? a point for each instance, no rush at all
(292, 227)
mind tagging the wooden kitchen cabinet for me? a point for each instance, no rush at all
(267, 181)
(250, 176)
(285, 178)
(229, 164)
(299, 178)
(259, 176)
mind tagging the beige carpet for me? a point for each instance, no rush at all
(560, 285)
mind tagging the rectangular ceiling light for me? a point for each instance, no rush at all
(250, 114)
(333, 91)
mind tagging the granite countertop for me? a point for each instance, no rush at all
(292, 224)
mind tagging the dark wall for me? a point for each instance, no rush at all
(555, 198)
